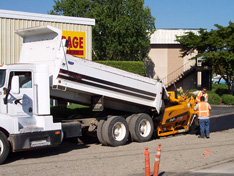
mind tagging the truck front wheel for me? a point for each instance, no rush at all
(141, 127)
(115, 131)
(4, 147)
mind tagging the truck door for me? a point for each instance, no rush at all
(21, 104)
(2, 82)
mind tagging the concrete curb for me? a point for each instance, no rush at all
(220, 115)
(222, 106)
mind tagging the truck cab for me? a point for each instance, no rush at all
(25, 119)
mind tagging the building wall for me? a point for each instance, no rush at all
(166, 56)
(184, 84)
(166, 59)
(10, 43)
(168, 63)
(174, 59)
(159, 57)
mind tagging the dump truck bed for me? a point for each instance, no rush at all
(90, 78)
(79, 80)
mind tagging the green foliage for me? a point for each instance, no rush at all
(75, 106)
(130, 66)
(222, 89)
(191, 90)
(219, 86)
(228, 99)
(75, 8)
(213, 98)
(210, 92)
(216, 86)
(215, 47)
(122, 30)
(179, 92)
(70, 110)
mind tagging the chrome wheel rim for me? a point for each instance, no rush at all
(1, 147)
(119, 131)
(144, 128)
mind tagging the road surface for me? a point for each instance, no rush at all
(181, 155)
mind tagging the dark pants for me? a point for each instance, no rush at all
(204, 127)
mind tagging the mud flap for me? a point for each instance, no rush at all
(71, 129)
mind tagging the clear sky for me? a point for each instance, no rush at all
(168, 13)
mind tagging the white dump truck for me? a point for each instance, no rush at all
(45, 71)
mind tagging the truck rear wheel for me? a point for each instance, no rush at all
(141, 128)
(115, 131)
(100, 132)
(4, 147)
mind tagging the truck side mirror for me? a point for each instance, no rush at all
(15, 85)
(65, 43)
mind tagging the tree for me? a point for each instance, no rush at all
(215, 47)
(122, 30)
(75, 8)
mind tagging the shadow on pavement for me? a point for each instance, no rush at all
(65, 147)
(161, 173)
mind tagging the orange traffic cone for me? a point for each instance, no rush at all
(147, 162)
(157, 161)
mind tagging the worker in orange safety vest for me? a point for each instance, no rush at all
(203, 111)
(199, 94)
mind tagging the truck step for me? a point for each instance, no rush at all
(33, 128)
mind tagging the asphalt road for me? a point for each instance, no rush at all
(182, 154)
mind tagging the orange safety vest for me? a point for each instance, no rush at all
(199, 96)
(203, 109)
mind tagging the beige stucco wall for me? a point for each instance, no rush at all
(168, 63)
(166, 59)
(166, 56)
(174, 59)
(159, 57)
(10, 43)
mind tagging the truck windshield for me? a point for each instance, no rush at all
(2, 77)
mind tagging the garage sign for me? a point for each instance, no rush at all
(76, 46)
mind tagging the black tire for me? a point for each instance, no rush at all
(4, 147)
(128, 119)
(115, 123)
(100, 132)
(141, 128)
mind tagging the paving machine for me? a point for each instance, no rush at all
(179, 115)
